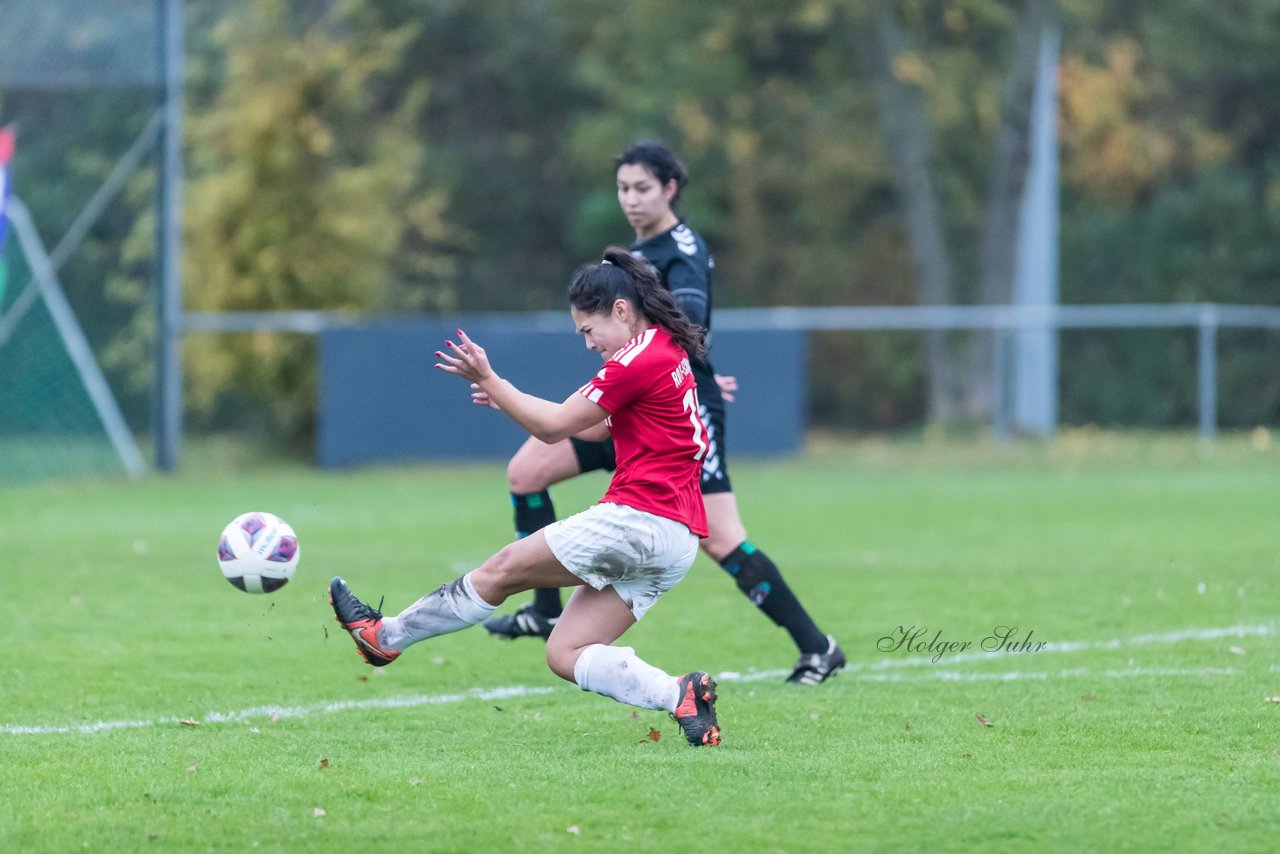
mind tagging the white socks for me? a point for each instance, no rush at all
(613, 671)
(616, 672)
(450, 608)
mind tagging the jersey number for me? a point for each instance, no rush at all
(691, 407)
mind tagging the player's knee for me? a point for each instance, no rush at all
(525, 476)
(718, 548)
(519, 476)
(503, 572)
(561, 657)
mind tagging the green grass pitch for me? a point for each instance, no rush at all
(1147, 565)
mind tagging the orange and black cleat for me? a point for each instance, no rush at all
(362, 622)
(696, 711)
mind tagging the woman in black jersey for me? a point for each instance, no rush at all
(649, 180)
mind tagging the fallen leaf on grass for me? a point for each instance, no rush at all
(318, 812)
(189, 722)
(1089, 697)
(654, 735)
(324, 763)
(984, 721)
(635, 716)
(362, 678)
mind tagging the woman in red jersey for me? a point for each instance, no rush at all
(620, 555)
(650, 179)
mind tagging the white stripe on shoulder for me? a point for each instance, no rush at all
(621, 351)
(636, 346)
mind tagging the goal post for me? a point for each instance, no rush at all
(57, 412)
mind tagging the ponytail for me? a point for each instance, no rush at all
(621, 275)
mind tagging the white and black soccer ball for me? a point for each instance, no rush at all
(258, 552)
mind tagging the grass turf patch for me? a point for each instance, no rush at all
(1137, 725)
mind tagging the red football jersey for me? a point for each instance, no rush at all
(652, 400)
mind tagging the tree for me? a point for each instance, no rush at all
(306, 190)
(903, 77)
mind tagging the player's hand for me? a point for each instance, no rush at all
(466, 359)
(728, 385)
(480, 397)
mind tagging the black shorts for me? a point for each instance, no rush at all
(600, 456)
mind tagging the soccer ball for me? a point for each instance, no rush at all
(258, 552)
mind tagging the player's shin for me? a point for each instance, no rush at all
(616, 672)
(760, 581)
(450, 608)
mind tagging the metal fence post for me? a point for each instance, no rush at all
(1002, 344)
(168, 382)
(1208, 369)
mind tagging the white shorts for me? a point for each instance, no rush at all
(638, 554)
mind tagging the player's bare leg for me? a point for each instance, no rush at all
(725, 531)
(580, 651)
(538, 466)
(590, 617)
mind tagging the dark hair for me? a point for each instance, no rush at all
(621, 275)
(659, 160)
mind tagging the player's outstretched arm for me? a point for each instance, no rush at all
(544, 420)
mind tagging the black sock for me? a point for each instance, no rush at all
(758, 578)
(533, 513)
(546, 601)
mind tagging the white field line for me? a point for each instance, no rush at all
(1048, 647)
(859, 672)
(276, 712)
(997, 676)
(1043, 675)
(1078, 646)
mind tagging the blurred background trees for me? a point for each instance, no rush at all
(425, 155)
